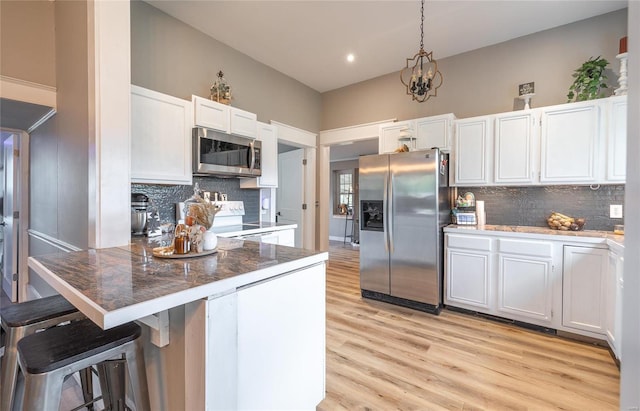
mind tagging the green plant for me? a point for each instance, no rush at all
(589, 80)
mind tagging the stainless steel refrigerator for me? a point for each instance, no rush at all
(404, 204)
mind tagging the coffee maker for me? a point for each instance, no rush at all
(139, 206)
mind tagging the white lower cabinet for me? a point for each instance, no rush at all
(567, 284)
(613, 301)
(525, 283)
(468, 272)
(584, 288)
(260, 347)
(274, 340)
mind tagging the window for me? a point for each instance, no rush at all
(343, 195)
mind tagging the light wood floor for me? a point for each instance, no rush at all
(384, 357)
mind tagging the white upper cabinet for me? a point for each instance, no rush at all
(617, 140)
(210, 114)
(434, 131)
(515, 148)
(224, 118)
(570, 138)
(390, 135)
(471, 151)
(160, 138)
(243, 123)
(420, 134)
(267, 134)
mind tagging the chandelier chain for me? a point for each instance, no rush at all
(422, 26)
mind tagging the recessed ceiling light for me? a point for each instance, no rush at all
(350, 57)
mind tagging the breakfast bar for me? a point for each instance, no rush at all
(241, 328)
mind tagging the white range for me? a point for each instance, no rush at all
(229, 223)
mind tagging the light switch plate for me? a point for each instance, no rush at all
(615, 211)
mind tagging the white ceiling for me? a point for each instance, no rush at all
(309, 40)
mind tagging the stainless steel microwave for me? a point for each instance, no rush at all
(225, 155)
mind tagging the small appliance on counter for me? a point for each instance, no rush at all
(145, 219)
(465, 211)
(139, 205)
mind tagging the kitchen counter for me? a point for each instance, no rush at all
(594, 236)
(115, 285)
(242, 328)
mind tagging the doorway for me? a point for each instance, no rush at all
(290, 192)
(12, 192)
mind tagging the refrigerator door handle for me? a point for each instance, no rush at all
(385, 212)
(389, 216)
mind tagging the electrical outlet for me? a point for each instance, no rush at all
(615, 211)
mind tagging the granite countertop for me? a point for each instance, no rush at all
(608, 236)
(120, 284)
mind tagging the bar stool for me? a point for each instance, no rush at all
(21, 320)
(46, 357)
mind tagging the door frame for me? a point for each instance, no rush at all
(23, 208)
(308, 141)
(327, 139)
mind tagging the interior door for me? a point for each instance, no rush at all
(290, 191)
(9, 232)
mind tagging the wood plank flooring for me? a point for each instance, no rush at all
(384, 357)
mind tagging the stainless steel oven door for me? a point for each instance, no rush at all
(220, 154)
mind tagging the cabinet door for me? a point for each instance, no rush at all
(211, 114)
(160, 138)
(267, 134)
(389, 135)
(434, 132)
(613, 302)
(281, 342)
(569, 143)
(524, 287)
(243, 123)
(514, 148)
(269, 155)
(468, 279)
(584, 288)
(471, 150)
(617, 140)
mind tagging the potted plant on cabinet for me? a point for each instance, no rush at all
(590, 79)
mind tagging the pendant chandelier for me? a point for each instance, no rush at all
(421, 76)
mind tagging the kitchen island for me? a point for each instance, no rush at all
(243, 328)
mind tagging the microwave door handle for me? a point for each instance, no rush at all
(252, 156)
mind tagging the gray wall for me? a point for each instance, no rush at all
(27, 41)
(530, 206)
(170, 57)
(486, 80)
(59, 148)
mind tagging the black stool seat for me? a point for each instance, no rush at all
(60, 346)
(41, 309)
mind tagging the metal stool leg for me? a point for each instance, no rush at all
(10, 367)
(86, 380)
(138, 375)
(112, 383)
(44, 391)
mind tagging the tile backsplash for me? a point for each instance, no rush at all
(530, 206)
(166, 196)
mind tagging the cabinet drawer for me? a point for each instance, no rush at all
(469, 242)
(529, 248)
